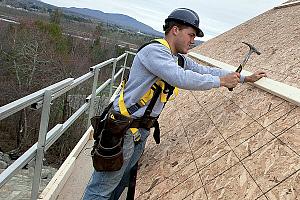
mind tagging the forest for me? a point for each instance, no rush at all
(42, 49)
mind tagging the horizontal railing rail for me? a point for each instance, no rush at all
(26, 157)
(42, 99)
(131, 53)
(106, 83)
(26, 101)
(100, 65)
(75, 83)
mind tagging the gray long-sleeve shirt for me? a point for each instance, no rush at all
(154, 62)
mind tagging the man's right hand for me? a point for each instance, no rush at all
(231, 80)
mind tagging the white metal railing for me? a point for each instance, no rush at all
(284, 91)
(42, 99)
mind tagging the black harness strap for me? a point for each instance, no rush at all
(152, 101)
(168, 89)
(151, 42)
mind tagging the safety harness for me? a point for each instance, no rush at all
(159, 89)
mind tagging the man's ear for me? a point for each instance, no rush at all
(175, 30)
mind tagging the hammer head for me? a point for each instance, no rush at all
(252, 48)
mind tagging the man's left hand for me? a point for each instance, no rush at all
(255, 76)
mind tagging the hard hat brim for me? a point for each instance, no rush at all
(199, 32)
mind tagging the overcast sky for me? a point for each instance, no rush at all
(216, 16)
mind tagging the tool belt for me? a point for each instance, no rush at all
(109, 131)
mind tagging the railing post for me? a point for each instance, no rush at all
(124, 66)
(41, 144)
(93, 97)
(112, 78)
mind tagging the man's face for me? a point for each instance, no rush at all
(184, 39)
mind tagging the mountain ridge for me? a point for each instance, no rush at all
(115, 18)
(120, 20)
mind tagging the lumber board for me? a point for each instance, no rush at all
(284, 91)
(285, 5)
(61, 176)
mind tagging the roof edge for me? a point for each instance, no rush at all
(284, 5)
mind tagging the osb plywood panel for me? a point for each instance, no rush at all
(234, 145)
(187, 177)
(291, 138)
(222, 152)
(235, 183)
(272, 164)
(289, 189)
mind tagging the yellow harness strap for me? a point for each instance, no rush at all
(163, 96)
(124, 111)
(163, 42)
(147, 96)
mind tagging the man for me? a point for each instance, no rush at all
(154, 62)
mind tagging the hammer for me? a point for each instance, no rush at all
(251, 50)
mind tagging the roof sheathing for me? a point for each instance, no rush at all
(276, 33)
(233, 145)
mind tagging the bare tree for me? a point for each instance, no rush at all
(25, 56)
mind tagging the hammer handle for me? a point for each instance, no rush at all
(239, 69)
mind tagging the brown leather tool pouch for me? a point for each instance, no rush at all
(107, 152)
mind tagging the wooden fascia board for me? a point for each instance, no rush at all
(287, 5)
(284, 91)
